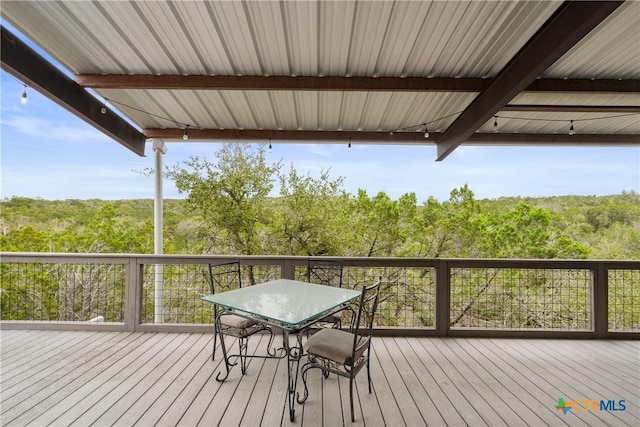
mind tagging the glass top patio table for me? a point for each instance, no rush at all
(289, 304)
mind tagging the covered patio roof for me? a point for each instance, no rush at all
(402, 72)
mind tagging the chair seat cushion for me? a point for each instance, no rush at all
(236, 322)
(336, 345)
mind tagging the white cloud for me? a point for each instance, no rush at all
(45, 129)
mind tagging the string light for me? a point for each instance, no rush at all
(23, 98)
(270, 147)
(186, 133)
(495, 122)
(185, 136)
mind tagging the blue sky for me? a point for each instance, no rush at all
(49, 153)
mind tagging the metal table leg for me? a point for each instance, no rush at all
(293, 363)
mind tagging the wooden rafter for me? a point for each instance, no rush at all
(384, 137)
(566, 27)
(573, 108)
(382, 84)
(28, 66)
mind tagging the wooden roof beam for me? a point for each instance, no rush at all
(28, 66)
(567, 26)
(412, 84)
(631, 109)
(386, 137)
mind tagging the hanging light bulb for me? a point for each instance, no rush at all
(185, 137)
(495, 123)
(23, 99)
(349, 146)
(270, 147)
(571, 130)
(426, 132)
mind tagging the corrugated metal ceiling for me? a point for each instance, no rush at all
(459, 39)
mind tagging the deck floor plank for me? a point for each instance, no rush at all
(43, 391)
(120, 409)
(523, 391)
(409, 410)
(596, 360)
(368, 403)
(240, 402)
(477, 370)
(174, 386)
(155, 385)
(419, 360)
(34, 343)
(381, 387)
(102, 392)
(168, 379)
(264, 386)
(400, 352)
(195, 412)
(40, 359)
(440, 370)
(589, 382)
(476, 392)
(276, 411)
(559, 383)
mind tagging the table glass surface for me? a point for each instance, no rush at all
(291, 303)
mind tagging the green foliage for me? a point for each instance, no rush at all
(229, 208)
(311, 215)
(230, 196)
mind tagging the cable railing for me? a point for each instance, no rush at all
(440, 297)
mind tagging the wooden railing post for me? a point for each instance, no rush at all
(288, 269)
(600, 300)
(133, 295)
(443, 298)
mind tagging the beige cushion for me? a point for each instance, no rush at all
(334, 344)
(237, 322)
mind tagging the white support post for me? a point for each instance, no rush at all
(159, 148)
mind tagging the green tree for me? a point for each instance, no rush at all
(375, 224)
(526, 232)
(311, 216)
(230, 196)
(448, 229)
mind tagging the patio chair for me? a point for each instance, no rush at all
(326, 272)
(225, 277)
(344, 353)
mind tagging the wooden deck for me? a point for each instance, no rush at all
(143, 379)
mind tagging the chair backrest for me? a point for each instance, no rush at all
(363, 325)
(326, 272)
(225, 276)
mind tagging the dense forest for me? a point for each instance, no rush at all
(229, 207)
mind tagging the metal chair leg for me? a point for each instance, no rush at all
(353, 419)
(215, 341)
